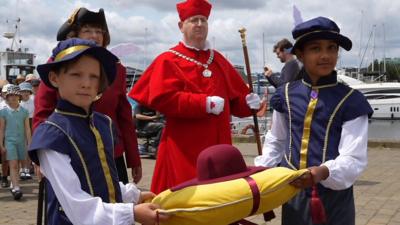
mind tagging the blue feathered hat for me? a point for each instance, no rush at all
(319, 28)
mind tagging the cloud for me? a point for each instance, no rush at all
(170, 5)
(152, 26)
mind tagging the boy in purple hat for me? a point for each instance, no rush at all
(75, 145)
(321, 125)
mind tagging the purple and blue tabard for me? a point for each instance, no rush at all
(88, 139)
(315, 115)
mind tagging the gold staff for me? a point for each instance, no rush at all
(242, 32)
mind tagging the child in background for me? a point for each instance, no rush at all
(4, 164)
(34, 81)
(74, 146)
(321, 125)
(3, 102)
(15, 135)
(27, 103)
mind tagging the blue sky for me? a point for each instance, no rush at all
(128, 21)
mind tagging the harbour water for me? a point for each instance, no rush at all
(384, 129)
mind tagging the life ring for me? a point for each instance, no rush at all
(249, 126)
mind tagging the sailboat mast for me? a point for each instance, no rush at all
(361, 38)
(384, 49)
(263, 48)
(373, 48)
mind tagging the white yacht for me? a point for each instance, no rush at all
(384, 97)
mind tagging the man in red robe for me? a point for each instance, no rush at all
(197, 90)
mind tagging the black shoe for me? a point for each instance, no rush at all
(22, 175)
(4, 182)
(17, 194)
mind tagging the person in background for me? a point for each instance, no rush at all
(15, 136)
(197, 90)
(90, 25)
(34, 81)
(290, 70)
(19, 79)
(4, 85)
(26, 100)
(4, 164)
(27, 103)
(149, 120)
(320, 125)
(74, 147)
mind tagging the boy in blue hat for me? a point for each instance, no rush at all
(75, 145)
(321, 125)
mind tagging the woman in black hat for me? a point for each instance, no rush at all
(321, 125)
(90, 25)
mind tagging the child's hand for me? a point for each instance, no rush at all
(313, 176)
(304, 181)
(146, 214)
(146, 196)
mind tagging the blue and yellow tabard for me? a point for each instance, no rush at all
(88, 139)
(315, 116)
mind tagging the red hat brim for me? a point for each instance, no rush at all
(194, 182)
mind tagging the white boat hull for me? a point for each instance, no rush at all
(385, 108)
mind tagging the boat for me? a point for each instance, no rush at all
(15, 60)
(384, 97)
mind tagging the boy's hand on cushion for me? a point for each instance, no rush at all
(314, 175)
(147, 214)
(146, 196)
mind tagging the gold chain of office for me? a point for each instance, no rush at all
(206, 71)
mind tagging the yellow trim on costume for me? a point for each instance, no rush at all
(316, 31)
(69, 50)
(71, 18)
(330, 123)
(307, 130)
(104, 164)
(70, 113)
(79, 154)
(290, 128)
(320, 86)
(111, 132)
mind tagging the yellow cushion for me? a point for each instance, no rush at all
(229, 201)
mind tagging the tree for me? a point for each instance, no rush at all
(392, 69)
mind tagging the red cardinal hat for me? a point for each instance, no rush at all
(191, 8)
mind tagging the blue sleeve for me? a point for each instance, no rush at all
(356, 106)
(278, 99)
(47, 136)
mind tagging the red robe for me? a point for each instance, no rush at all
(176, 87)
(113, 103)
